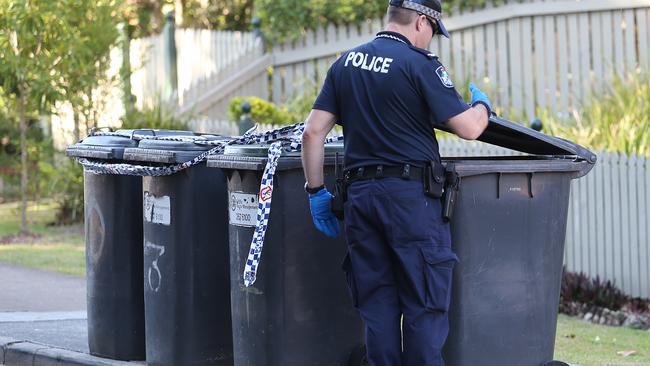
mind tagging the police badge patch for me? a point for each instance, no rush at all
(444, 77)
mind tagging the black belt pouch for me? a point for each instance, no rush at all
(434, 179)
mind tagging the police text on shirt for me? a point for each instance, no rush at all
(376, 64)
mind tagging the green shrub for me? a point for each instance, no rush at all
(301, 105)
(159, 117)
(262, 111)
(577, 287)
(618, 120)
(63, 182)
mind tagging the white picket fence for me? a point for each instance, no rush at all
(608, 227)
(201, 55)
(609, 224)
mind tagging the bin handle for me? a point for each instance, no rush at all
(153, 132)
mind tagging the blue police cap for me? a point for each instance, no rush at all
(431, 8)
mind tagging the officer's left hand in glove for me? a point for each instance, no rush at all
(320, 204)
(478, 97)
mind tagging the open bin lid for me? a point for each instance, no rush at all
(504, 133)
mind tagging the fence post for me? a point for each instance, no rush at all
(128, 99)
(169, 34)
(256, 22)
(245, 121)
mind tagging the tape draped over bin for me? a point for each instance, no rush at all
(283, 139)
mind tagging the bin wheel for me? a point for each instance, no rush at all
(358, 357)
(556, 363)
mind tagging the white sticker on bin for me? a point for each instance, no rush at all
(157, 209)
(243, 209)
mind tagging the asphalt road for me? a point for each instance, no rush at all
(43, 307)
(24, 289)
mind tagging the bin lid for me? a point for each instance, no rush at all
(108, 141)
(262, 150)
(101, 147)
(155, 132)
(171, 151)
(504, 133)
(187, 145)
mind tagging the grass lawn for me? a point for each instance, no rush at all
(53, 248)
(585, 344)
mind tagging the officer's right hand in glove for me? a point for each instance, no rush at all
(320, 204)
(479, 97)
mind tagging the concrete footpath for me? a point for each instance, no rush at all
(43, 320)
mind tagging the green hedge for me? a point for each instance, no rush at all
(262, 111)
(617, 119)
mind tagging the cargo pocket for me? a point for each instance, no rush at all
(349, 277)
(438, 266)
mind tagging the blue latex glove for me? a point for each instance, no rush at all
(479, 97)
(320, 204)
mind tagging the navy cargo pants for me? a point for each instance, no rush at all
(399, 263)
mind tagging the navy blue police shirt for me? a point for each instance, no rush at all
(388, 95)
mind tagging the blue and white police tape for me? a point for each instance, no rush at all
(263, 212)
(264, 201)
(278, 138)
(250, 137)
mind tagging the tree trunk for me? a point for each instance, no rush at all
(23, 161)
(75, 115)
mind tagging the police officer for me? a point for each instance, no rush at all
(388, 95)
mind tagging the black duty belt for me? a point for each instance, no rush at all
(405, 171)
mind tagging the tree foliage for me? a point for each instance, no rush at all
(93, 31)
(50, 51)
(289, 18)
(232, 15)
(145, 17)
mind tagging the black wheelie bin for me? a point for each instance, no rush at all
(113, 230)
(508, 222)
(186, 271)
(298, 312)
(508, 229)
